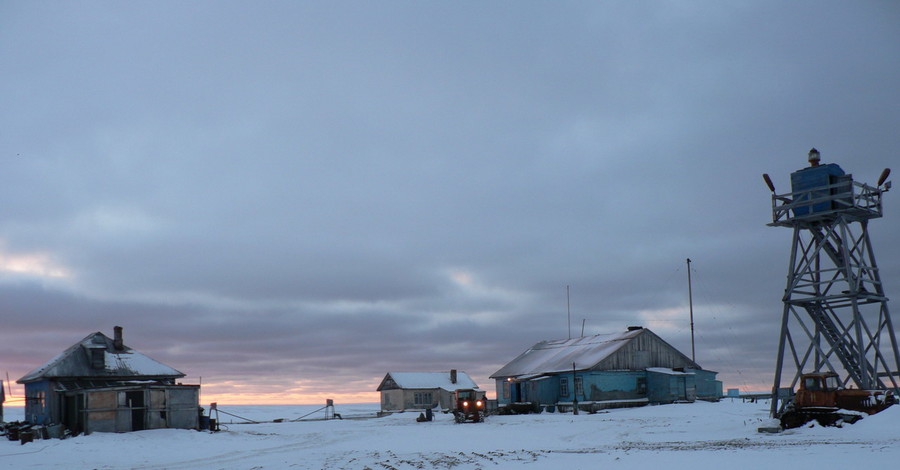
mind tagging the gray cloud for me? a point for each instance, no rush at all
(322, 193)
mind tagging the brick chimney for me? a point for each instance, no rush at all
(453, 376)
(117, 340)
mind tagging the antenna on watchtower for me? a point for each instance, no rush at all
(835, 316)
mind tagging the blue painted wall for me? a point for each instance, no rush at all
(707, 385)
(40, 403)
(597, 386)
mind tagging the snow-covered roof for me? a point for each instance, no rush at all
(125, 363)
(663, 370)
(556, 356)
(427, 380)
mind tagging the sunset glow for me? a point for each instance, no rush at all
(249, 393)
(34, 264)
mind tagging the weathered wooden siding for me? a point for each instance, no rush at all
(100, 413)
(41, 402)
(181, 408)
(643, 351)
(134, 408)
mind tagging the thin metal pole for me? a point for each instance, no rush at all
(568, 313)
(691, 307)
(574, 392)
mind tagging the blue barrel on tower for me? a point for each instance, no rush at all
(820, 188)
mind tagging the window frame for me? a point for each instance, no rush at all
(423, 398)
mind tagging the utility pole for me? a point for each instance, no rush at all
(574, 392)
(691, 307)
(568, 313)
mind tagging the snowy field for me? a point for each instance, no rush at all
(683, 436)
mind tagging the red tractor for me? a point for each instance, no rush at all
(821, 397)
(470, 406)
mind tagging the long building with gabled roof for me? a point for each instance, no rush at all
(631, 367)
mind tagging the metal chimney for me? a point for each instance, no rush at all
(453, 376)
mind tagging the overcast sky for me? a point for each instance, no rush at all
(290, 199)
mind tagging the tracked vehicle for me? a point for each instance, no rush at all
(470, 406)
(821, 398)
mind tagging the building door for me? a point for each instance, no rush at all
(135, 401)
(73, 413)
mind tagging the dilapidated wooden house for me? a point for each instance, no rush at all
(621, 369)
(100, 384)
(401, 391)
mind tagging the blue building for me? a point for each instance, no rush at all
(631, 368)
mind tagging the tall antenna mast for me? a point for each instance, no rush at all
(691, 307)
(568, 312)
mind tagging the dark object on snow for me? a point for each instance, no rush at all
(427, 416)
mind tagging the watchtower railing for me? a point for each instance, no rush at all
(848, 198)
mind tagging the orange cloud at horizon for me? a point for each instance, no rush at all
(276, 392)
(279, 398)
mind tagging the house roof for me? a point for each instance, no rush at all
(562, 355)
(125, 363)
(426, 380)
(665, 371)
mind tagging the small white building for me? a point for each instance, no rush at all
(402, 391)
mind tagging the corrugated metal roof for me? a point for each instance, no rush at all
(75, 362)
(557, 356)
(429, 380)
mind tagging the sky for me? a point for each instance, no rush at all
(287, 200)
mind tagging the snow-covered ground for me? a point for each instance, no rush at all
(681, 436)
